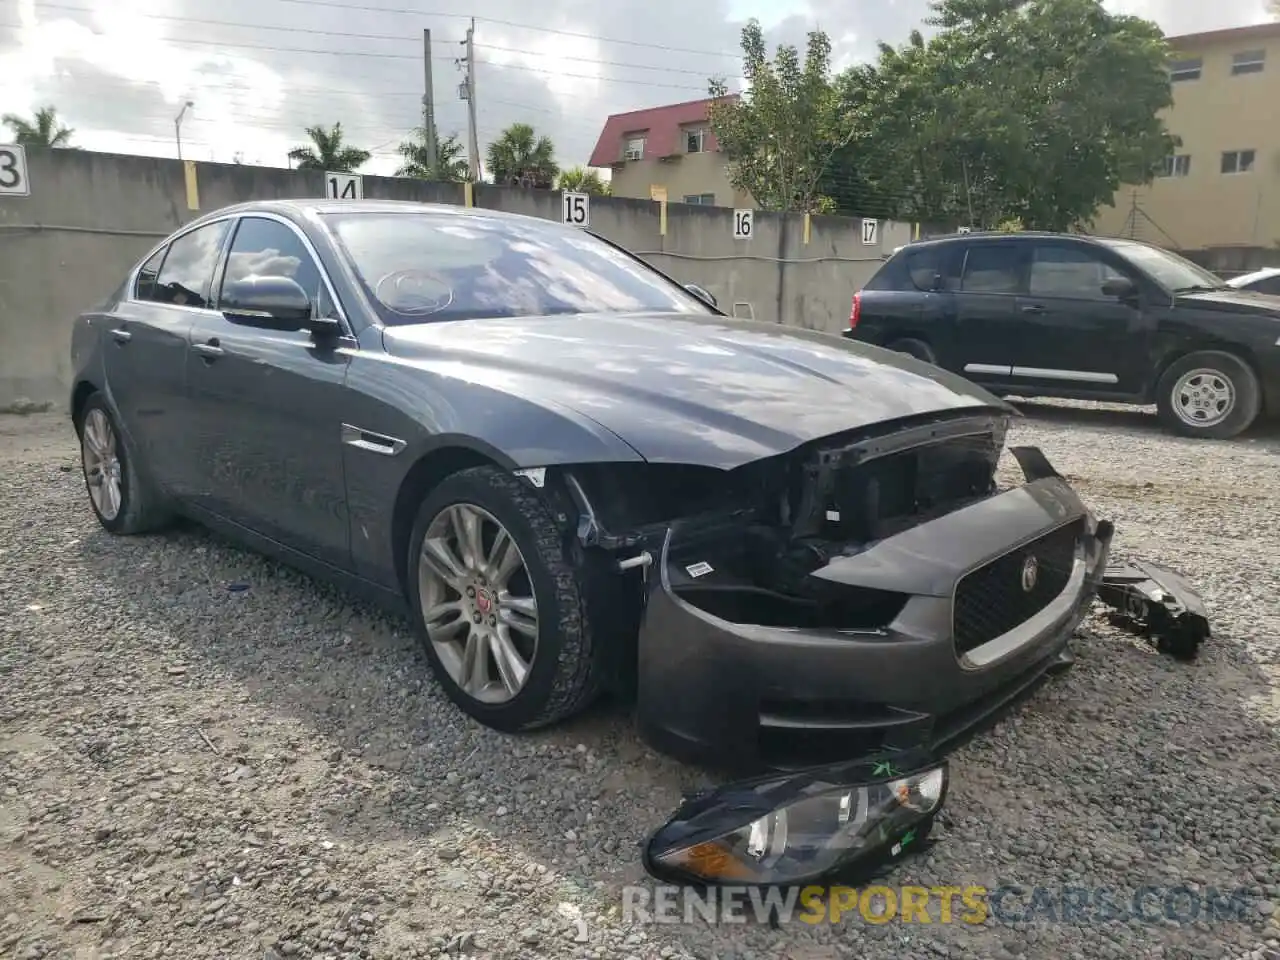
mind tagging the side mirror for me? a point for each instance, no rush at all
(1119, 287)
(276, 303)
(701, 294)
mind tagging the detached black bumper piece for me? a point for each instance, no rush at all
(845, 820)
(1156, 603)
(987, 598)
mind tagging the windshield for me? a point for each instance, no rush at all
(1169, 270)
(425, 267)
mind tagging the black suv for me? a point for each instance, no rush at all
(1087, 318)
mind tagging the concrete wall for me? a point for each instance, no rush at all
(90, 216)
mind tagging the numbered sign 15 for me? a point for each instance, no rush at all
(343, 186)
(870, 231)
(575, 209)
(743, 224)
(13, 171)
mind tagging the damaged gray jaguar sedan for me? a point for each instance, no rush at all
(578, 476)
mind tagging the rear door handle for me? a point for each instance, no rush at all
(1033, 308)
(121, 335)
(210, 350)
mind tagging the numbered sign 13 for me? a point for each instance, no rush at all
(13, 171)
(744, 222)
(344, 186)
(575, 209)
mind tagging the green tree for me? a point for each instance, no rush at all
(520, 157)
(327, 152)
(451, 164)
(1028, 110)
(582, 180)
(780, 136)
(42, 130)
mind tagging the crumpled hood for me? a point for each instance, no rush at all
(690, 389)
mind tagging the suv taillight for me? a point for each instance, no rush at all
(855, 312)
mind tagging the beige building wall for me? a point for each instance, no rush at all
(1200, 207)
(685, 174)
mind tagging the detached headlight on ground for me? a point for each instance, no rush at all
(799, 827)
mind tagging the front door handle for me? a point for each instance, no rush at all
(210, 350)
(121, 335)
(1033, 308)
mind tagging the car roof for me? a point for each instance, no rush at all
(302, 208)
(1026, 235)
(1262, 274)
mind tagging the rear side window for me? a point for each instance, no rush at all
(187, 273)
(146, 286)
(992, 268)
(924, 267)
(1269, 285)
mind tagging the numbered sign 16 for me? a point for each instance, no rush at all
(743, 224)
(13, 171)
(870, 231)
(575, 209)
(344, 186)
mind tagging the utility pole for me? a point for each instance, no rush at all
(428, 105)
(469, 88)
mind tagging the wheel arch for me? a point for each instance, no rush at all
(80, 395)
(1244, 354)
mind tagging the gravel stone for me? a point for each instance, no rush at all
(193, 771)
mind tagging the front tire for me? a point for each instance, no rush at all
(498, 603)
(123, 500)
(1210, 394)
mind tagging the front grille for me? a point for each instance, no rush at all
(991, 600)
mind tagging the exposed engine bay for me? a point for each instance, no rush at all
(749, 539)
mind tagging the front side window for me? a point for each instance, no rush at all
(1267, 285)
(1168, 269)
(268, 248)
(426, 267)
(992, 268)
(1058, 271)
(146, 286)
(187, 274)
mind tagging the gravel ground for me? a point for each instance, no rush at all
(191, 771)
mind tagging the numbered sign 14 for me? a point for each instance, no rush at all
(13, 171)
(344, 186)
(870, 231)
(575, 209)
(743, 224)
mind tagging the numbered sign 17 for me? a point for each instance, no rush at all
(344, 186)
(13, 171)
(575, 209)
(743, 224)
(870, 231)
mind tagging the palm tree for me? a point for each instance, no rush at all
(582, 180)
(451, 165)
(43, 130)
(520, 157)
(327, 152)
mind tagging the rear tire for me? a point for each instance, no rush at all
(532, 623)
(123, 499)
(914, 348)
(1211, 394)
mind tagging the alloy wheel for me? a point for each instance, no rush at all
(103, 475)
(1203, 397)
(477, 603)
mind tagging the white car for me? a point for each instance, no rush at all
(1266, 280)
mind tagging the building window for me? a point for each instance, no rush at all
(1238, 161)
(703, 199)
(695, 141)
(634, 148)
(1177, 165)
(1249, 61)
(1185, 69)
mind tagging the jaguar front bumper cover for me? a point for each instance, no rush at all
(802, 827)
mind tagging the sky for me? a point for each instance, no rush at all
(259, 71)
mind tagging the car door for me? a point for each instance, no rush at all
(1072, 336)
(992, 276)
(269, 403)
(146, 355)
